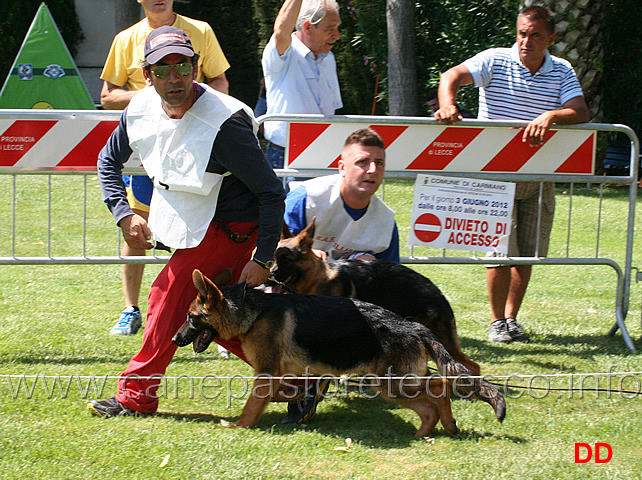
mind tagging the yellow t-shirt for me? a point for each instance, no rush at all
(123, 65)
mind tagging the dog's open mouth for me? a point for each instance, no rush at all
(203, 340)
(275, 285)
(200, 337)
(272, 289)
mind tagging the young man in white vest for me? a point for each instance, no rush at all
(215, 199)
(351, 222)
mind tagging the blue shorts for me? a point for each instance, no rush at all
(139, 191)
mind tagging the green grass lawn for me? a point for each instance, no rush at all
(55, 322)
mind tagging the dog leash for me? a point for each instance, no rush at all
(284, 287)
(234, 236)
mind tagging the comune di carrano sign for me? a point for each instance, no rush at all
(461, 213)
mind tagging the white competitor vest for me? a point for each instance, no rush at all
(175, 155)
(335, 231)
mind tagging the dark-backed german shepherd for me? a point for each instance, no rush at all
(387, 284)
(297, 335)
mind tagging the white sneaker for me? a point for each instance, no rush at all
(223, 352)
(498, 332)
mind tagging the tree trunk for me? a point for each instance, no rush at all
(402, 75)
(580, 40)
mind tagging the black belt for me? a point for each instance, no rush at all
(270, 144)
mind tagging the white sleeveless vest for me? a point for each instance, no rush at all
(175, 154)
(335, 231)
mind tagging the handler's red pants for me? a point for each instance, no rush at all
(169, 299)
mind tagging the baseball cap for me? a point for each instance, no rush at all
(165, 40)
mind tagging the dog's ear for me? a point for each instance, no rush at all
(307, 236)
(205, 287)
(286, 233)
(199, 283)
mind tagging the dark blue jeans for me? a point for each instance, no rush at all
(275, 156)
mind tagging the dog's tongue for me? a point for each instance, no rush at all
(203, 340)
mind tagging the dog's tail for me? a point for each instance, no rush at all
(464, 383)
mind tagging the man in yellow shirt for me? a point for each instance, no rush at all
(122, 73)
(123, 77)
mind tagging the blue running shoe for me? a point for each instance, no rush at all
(128, 323)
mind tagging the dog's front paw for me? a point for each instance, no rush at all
(452, 428)
(244, 423)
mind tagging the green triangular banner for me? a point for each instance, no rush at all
(44, 74)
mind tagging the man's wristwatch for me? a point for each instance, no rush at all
(267, 265)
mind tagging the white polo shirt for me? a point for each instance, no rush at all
(508, 90)
(298, 82)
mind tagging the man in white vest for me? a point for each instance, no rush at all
(351, 222)
(215, 199)
(122, 79)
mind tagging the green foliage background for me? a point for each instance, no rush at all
(450, 31)
(622, 80)
(236, 29)
(447, 32)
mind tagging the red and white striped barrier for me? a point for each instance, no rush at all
(73, 141)
(54, 143)
(449, 149)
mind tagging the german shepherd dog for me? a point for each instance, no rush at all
(387, 284)
(298, 335)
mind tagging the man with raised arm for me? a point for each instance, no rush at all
(299, 68)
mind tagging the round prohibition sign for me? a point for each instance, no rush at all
(427, 227)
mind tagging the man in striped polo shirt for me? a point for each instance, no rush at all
(524, 82)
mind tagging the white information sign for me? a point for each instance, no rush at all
(461, 213)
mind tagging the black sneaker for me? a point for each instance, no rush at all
(111, 408)
(498, 332)
(516, 331)
(304, 408)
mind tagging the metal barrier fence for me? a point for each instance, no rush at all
(57, 144)
(558, 174)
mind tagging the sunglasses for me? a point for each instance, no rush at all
(182, 69)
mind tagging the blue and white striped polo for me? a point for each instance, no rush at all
(508, 91)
